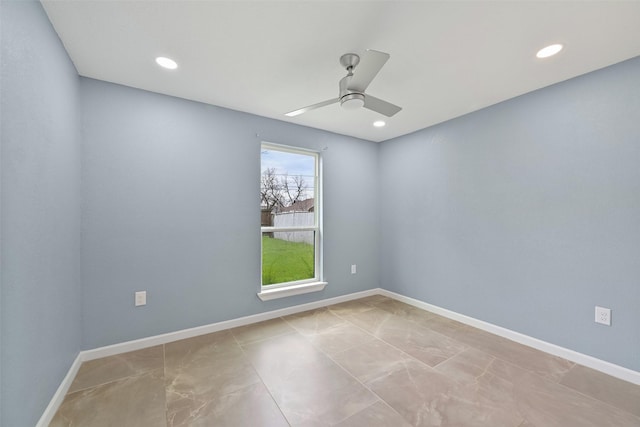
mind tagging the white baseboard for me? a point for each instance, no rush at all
(139, 344)
(58, 397)
(556, 350)
(124, 347)
(582, 359)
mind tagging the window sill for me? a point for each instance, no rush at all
(288, 291)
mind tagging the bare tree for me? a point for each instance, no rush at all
(294, 189)
(279, 192)
(271, 196)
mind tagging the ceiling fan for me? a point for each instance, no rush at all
(352, 87)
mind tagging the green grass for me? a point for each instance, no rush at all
(284, 261)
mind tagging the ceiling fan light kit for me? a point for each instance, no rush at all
(352, 87)
(352, 101)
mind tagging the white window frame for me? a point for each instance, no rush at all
(316, 283)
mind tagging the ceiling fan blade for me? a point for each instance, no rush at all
(312, 107)
(380, 106)
(370, 64)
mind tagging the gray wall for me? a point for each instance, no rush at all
(526, 214)
(40, 213)
(171, 206)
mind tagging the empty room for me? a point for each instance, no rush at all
(320, 213)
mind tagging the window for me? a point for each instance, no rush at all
(290, 221)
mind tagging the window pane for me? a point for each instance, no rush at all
(287, 183)
(287, 256)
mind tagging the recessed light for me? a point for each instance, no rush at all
(548, 51)
(379, 124)
(166, 63)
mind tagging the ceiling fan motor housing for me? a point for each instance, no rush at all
(349, 100)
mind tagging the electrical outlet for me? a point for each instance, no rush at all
(353, 269)
(141, 298)
(603, 315)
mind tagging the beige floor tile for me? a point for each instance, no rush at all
(546, 403)
(507, 370)
(306, 384)
(324, 406)
(484, 401)
(215, 345)
(132, 401)
(205, 367)
(426, 397)
(339, 338)
(416, 392)
(199, 380)
(473, 366)
(305, 371)
(372, 360)
(619, 393)
(467, 366)
(373, 320)
(424, 344)
(313, 321)
(251, 405)
(443, 325)
(405, 311)
(377, 415)
(261, 331)
(325, 395)
(107, 369)
(543, 364)
(350, 307)
(284, 352)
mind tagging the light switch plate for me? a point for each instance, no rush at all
(141, 298)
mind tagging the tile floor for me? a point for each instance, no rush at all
(369, 362)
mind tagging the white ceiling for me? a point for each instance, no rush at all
(448, 58)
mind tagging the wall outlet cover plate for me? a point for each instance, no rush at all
(603, 316)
